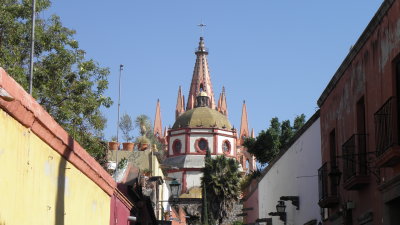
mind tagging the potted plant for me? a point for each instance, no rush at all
(142, 142)
(143, 123)
(126, 127)
(113, 144)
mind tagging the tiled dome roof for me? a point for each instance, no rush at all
(202, 117)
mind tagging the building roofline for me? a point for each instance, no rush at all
(33, 116)
(298, 134)
(373, 24)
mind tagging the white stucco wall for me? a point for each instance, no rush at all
(165, 195)
(201, 130)
(193, 179)
(294, 174)
(224, 132)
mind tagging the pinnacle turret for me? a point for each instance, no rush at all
(157, 121)
(244, 125)
(222, 105)
(180, 104)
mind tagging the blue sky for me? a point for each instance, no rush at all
(277, 55)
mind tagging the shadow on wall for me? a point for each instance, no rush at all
(60, 197)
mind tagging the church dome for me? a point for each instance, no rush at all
(202, 117)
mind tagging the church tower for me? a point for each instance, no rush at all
(202, 126)
(201, 80)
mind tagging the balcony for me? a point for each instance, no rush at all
(328, 192)
(387, 134)
(355, 165)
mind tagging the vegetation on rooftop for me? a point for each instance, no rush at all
(268, 143)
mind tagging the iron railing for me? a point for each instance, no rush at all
(386, 124)
(354, 152)
(326, 186)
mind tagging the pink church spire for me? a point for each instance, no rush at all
(222, 105)
(201, 79)
(157, 121)
(244, 125)
(180, 104)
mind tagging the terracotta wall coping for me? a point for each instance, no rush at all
(30, 114)
(119, 195)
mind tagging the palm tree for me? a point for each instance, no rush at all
(221, 179)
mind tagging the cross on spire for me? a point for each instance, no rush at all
(202, 27)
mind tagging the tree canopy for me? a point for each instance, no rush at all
(67, 84)
(268, 143)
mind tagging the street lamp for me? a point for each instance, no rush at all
(174, 185)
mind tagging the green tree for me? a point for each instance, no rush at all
(286, 133)
(299, 121)
(221, 178)
(126, 126)
(268, 143)
(69, 86)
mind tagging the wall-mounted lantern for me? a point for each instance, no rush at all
(174, 185)
(280, 211)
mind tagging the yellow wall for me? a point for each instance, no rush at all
(38, 186)
(157, 171)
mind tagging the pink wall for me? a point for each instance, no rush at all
(119, 212)
(251, 202)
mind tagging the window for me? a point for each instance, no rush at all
(360, 108)
(177, 146)
(332, 151)
(332, 148)
(361, 137)
(201, 145)
(226, 147)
